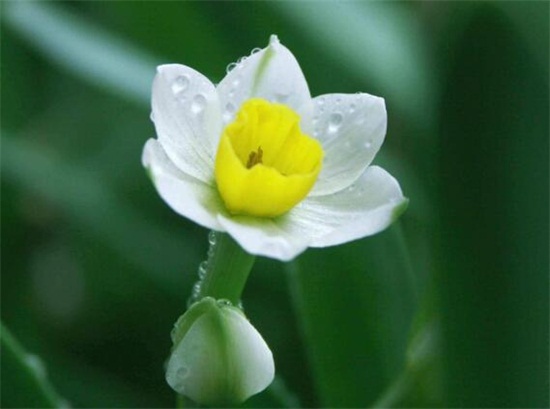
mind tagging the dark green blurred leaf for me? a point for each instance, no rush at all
(89, 203)
(24, 379)
(493, 198)
(277, 395)
(356, 304)
(419, 385)
(84, 49)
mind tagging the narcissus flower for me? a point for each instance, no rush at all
(257, 157)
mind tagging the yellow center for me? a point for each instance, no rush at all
(265, 165)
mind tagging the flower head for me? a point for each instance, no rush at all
(257, 157)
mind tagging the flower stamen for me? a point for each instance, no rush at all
(255, 158)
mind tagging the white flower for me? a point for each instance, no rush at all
(257, 157)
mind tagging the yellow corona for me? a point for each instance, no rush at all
(265, 165)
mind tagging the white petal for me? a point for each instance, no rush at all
(186, 113)
(221, 358)
(186, 195)
(366, 207)
(351, 128)
(264, 237)
(273, 74)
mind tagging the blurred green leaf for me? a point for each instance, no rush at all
(356, 304)
(24, 378)
(419, 385)
(89, 203)
(83, 48)
(493, 199)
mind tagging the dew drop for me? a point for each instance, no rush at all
(320, 101)
(196, 290)
(255, 50)
(202, 269)
(199, 103)
(180, 84)
(352, 108)
(273, 40)
(334, 122)
(182, 372)
(230, 67)
(152, 116)
(281, 96)
(212, 238)
(229, 111)
(367, 144)
(224, 303)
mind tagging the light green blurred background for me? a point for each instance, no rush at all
(447, 308)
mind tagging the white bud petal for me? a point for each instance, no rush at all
(218, 357)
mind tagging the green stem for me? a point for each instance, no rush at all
(226, 270)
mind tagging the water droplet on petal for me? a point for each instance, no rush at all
(198, 104)
(281, 97)
(229, 111)
(352, 108)
(367, 144)
(224, 303)
(230, 67)
(152, 116)
(334, 122)
(180, 84)
(273, 40)
(255, 50)
(182, 372)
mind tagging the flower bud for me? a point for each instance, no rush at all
(218, 357)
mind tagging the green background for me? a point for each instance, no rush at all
(447, 308)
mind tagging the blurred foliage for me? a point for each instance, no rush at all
(448, 308)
